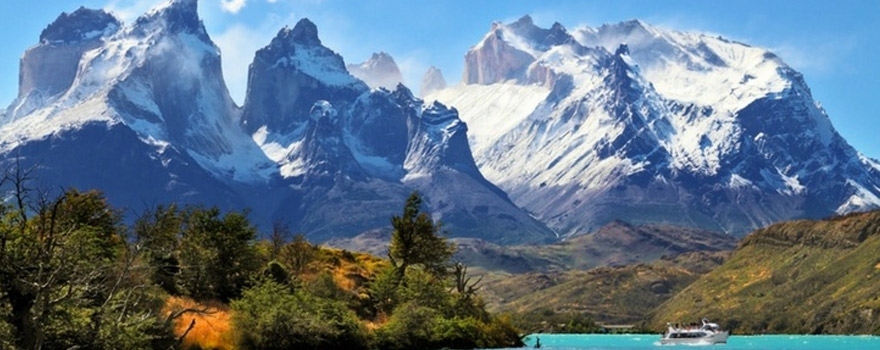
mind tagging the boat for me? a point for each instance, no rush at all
(708, 333)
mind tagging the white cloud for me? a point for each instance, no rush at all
(232, 6)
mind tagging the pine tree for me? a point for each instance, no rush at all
(417, 240)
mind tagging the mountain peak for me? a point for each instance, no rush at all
(508, 52)
(539, 38)
(182, 6)
(381, 60)
(305, 32)
(673, 127)
(177, 16)
(82, 24)
(523, 22)
(379, 71)
(381, 56)
(432, 81)
(633, 25)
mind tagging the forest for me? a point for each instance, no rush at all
(75, 274)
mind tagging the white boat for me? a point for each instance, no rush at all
(708, 333)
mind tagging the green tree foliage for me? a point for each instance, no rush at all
(199, 252)
(273, 316)
(424, 289)
(414, 326)
(220, 255)
(411, 326)
(298, 254)
(73, 276)
(68, 277)
(431, 307)
(157, 232)
(383, 291)
(416, 240)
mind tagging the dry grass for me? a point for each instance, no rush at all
(212, 328)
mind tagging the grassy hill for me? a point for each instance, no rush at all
(611, 294)
(612, 245)
(793, 277)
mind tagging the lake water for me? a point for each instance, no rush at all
(735, 342)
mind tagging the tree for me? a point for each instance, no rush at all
(298, 254)
(157, 233)
(68, 277)
(467, 303)
(217, 253)
(279, 237)
(55, 252)
(416, 240)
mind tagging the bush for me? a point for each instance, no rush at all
(272, 316)
(502, 333)
(461, 333)
(411, 326)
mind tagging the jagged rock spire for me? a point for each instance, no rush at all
(79, 25)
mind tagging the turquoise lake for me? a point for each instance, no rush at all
(652, 341)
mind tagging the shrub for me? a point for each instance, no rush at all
(411, 326)
(272, 316)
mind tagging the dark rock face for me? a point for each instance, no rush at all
(496, 61)
(286, 79)
(82, 24)
(50, 67)
(178, 16)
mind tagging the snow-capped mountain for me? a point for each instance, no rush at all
(380, 71)
(348, 154)
(141, 111)
(621, 122)
(633, 122)
(132, 109)
(432, 81)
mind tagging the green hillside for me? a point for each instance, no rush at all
(609, 295)
(793, 277)
(612, 245)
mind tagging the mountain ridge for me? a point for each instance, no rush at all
(590, 130)
(633, 122)
(313, 146)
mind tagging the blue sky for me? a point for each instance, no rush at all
(835, 44)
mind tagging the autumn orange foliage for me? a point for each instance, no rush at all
(211, 329)
(213, 324)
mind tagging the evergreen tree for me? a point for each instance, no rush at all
(417, 240)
